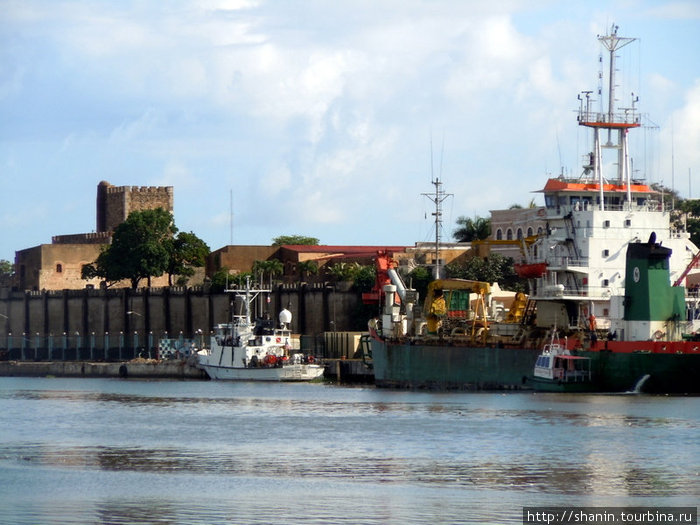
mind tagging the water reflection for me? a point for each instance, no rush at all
(568, 476)
(126, 452)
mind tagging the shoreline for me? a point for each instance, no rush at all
(341, 370)
(137, 368)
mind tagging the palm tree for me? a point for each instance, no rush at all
(270, 268)
(474, 229)
(307, 268)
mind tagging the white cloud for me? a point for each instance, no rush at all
(320, 109)
(687, 131)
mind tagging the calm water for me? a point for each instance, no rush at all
(114, 451)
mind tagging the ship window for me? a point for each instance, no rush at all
(606, 224)
(628, 222)
(606, 282)
(606, 253)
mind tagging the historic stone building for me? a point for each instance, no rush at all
(58, 265)
(509, 226)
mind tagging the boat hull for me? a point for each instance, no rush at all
(292, 372)
(551, 385)
(442, 367)
(445, 367)
(628, 371)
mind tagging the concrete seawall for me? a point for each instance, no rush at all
(135, 369)
(340, 370)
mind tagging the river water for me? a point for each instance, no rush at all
(126, 451)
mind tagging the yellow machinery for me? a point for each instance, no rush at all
(448, 304)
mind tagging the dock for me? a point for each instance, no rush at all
(340, 370)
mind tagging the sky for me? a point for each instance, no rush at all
(327, 119)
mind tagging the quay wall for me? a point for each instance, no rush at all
(103, 319)
(133, 369)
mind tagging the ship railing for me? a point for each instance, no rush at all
(561, 210)
(628, 116)
(565, 262)
(588, 292)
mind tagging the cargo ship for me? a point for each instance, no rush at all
(576, 270)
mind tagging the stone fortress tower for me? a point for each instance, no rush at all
(115, 203)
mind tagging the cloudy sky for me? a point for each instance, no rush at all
(324, 118)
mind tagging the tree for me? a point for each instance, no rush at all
(307, 268)
(494, 268)
(364, 278)
(269, 268)
(6, 268)
(187, 252)
(295, 239)
(140, 249)
(691, 212)
(341, 271)
(419, 279)
(472, 229)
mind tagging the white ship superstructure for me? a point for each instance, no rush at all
(592, 219)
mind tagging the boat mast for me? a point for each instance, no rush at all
(437, 198)
(612, 120)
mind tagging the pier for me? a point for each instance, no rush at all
(346, 371)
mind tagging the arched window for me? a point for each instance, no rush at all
(529, 231)
(59, 268)
(499, 234)
(509, 235)
(520, 233)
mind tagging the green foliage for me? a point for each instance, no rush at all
(268, 269)
(472, 229)
(691, 210)
(494, 268)
(140, 249)
(306, 268)
(419, 279)
(295, 239)
(364, 278)
(7, 269)
(222, 280)
(341, 271)
(187, 252)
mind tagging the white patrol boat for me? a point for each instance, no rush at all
(255, 351)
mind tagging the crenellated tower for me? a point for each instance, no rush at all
(115, 203)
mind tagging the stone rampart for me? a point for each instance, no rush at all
(75, 319)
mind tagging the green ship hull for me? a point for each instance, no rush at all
(446, 367)
(443, 367)
(645, 372)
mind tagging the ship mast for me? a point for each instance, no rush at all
(612, 120)
(437, 198)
